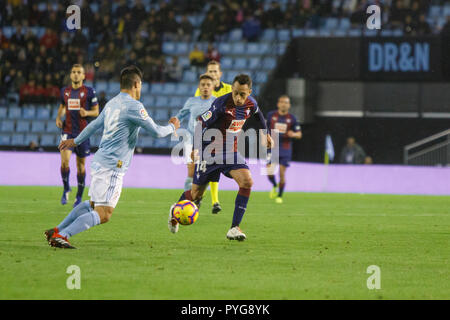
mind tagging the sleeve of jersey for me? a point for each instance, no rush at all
(90, 129)
(62, 97)
(296, 126)
(93, 98)
(259, 115)
(140, 117)
(184, 112)
(209, 117)
(269, 116)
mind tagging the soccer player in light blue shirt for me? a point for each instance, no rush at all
(193, 108)
(121, 120)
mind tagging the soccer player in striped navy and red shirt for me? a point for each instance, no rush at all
(77, 102)
(289, 129)
(225, 120)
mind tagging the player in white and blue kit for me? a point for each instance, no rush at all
(193, 108)
(121, 120)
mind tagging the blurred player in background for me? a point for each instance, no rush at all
(121, 121)
(193, 108)
(220, 88)
(77, 102)
(289, 129)
(227, 114)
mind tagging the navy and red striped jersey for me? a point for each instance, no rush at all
(283, 123)
(73, 100)
(225, 116)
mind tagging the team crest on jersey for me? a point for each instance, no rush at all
(248, 111)
(82, 94)
(206, 116)
(144, 114)
(236, 126)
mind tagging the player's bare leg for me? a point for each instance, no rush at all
(244, 180)
(279, 198)
(81, 177)
(65, 174)
(190, 177)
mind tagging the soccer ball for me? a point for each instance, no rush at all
(185, 212)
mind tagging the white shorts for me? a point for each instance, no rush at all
(106, 186)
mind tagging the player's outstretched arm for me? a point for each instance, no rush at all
(90, 129)
(140, 117)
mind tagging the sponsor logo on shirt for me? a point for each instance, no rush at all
(73, 104)
(236, 126)
(282, 127)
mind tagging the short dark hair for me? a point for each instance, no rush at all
(128, 76)
(243, 79)
(213, 63)
(77, 65)
(205, 76)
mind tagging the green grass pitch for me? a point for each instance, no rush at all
(314, 246)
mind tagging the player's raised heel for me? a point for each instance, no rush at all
(65, 196)
(216, 208)
(172, 223)
(236, 233)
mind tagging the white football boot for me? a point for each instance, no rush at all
(172, 223)
(236, 234)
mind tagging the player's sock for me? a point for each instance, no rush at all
(280, 192)
(188, 184)
(82, 223)
(82, 208)
(214, 186)
(186, 196)
(65, 173)
(240, 206)
(81, 177)
(272, 179)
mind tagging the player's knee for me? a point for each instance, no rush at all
(105, 217)
(246, 183)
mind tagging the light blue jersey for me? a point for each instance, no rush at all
(194, 107)
(121, 120)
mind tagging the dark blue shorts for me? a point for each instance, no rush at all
(83, 150)
(205, 173)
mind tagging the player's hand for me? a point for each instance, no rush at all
(175, 122)
(83, 112)
(290, 134)
(59, 123)
(66, 144)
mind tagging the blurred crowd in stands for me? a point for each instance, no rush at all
(37, 67)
